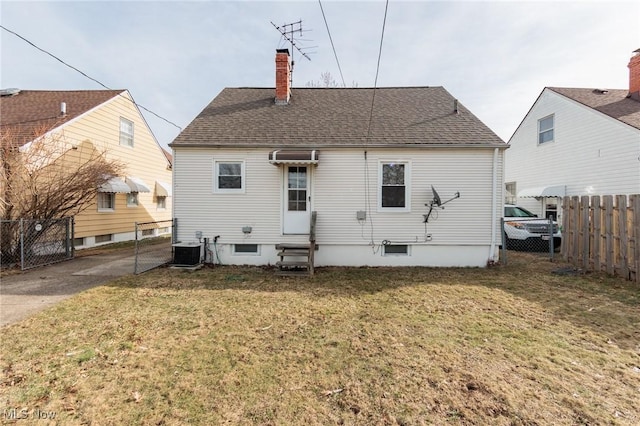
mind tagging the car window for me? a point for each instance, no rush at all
(517, 212)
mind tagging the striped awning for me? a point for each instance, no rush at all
(116, 185)
(285, 156)
(163, 189)
(137, 184)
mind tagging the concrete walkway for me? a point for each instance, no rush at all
(26, 293)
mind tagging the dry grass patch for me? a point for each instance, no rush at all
(508, 345)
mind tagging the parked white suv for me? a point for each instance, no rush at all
(525, 231)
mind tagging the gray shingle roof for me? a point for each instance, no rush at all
(318, 117)
(31, 113)
(612, 102)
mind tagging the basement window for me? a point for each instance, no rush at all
(105, 238)
(245, 249)
(148, 232)
(396, 250)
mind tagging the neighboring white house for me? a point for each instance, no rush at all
(255, 162)
(576, 142)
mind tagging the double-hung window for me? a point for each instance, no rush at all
(228, 176)
(394, 190)
(132, 199)
(126, 132)
(545, 129)
(106, 201)
(161, 202)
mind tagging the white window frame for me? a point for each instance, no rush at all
(552, 129)
(126, 132)
(132, 199)
(161, 203)
(112, 201)
(216, 174)
(510, 199)
(407, 186)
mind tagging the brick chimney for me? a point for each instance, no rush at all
(283, 77)
(634, 76)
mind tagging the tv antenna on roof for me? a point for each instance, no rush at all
(288, 31)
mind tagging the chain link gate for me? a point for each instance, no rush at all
(530, 235)
(35, 242)
(153, 246)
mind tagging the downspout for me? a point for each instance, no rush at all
(494, 218)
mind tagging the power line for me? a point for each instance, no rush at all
(373, 99)
(331, 40)
(87, 76)
(375, 83)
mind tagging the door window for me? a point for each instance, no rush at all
(297, 189)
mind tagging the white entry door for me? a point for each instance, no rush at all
(297, 200)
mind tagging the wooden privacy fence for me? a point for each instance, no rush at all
(603, 234)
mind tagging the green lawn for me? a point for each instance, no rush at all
(505, 345)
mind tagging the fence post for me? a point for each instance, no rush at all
(67, 232)
(607, 201)
(135, 263)
(174, 231)
(73, 237)
(622, 235)
(584, 231)
(503, 253)
(551, 244)
(21, 244)
(635, 217)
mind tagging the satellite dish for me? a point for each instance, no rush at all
(436, 198)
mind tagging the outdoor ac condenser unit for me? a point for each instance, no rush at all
(186, 253)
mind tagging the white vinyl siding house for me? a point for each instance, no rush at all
(592, 153)
(252, 169)
(337, 192)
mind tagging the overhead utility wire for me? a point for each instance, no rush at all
(375, 83)
(373, 99)
(331, 40)
(87, 76)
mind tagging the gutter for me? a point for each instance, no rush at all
(494, 218)
(332, 146)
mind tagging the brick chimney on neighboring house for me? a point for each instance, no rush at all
(634, 76)
(283, 77)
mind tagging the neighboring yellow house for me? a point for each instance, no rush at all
(109, 121)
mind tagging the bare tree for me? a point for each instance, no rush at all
(48, 178)
(326, 81)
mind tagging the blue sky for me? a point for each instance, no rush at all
(176, 56)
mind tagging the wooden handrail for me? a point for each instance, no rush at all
(312, 226)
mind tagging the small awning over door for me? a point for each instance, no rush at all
(543, 191)
(285, 156)
(116, 185)
(137, 184)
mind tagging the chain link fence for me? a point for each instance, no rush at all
(153, 245)
(532, 235)
(29, 243)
